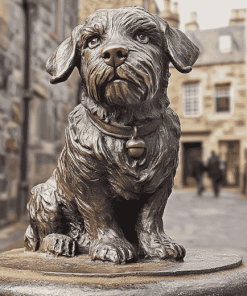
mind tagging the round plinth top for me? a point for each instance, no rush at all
(195, 262)
(201, 273)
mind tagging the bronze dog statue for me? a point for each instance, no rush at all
(115, 173)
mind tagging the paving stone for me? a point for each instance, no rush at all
(208, 222)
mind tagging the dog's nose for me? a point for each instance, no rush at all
(114, 55)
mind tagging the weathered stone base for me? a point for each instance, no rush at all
(201, 273)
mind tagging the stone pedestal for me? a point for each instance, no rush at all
(201, 273)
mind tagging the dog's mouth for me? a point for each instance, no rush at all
(116, 78)
(122, 91)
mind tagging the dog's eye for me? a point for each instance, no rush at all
(93, 42)
(142, 37)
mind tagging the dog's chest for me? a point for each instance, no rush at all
(125, 175)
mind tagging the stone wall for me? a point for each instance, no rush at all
(11, 65)
(50, 105)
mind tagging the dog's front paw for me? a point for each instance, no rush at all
(117, 250)
(58, 244)
(160, 245)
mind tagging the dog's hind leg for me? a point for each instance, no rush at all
(153, 241)
(45, 232)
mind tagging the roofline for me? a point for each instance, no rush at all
(219, 28)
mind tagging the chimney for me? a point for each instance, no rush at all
(175, 8)
(237, 17)
(167, 6)
(172, 17)
(192, 25)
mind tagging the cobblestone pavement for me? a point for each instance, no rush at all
(195, 222)
(11, 237)
(207, 222)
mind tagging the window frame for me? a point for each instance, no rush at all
(230, 99)
(199, 99)
(221, 50)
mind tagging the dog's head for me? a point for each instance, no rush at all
(123, 55)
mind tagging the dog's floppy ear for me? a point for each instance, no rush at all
(64, 58)
(181, 51)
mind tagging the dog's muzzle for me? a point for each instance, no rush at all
(121, 87)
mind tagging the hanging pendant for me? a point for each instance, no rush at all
(135, 146)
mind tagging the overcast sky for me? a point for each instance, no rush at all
(210, 13)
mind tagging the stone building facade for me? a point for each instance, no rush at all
(170, 14)
(211, 101)
(51, 22)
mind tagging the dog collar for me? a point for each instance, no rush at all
(135, 145)
(125, 132)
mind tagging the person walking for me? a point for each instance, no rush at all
(198, 169)
(215, 172)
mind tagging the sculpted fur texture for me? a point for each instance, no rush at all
(108, 193)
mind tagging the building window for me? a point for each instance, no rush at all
(225, 44)
(191, 100)
(222, 98)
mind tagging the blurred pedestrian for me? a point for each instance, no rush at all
(198, 169)
(215, 172)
